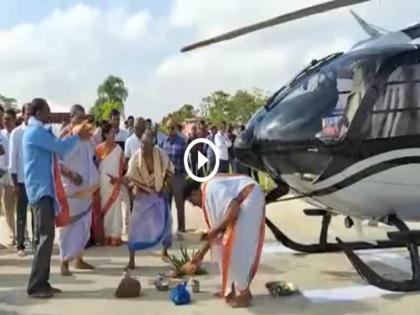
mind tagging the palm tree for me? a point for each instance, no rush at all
(113, 90)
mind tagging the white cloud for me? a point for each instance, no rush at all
(136, 25)
(65, 56)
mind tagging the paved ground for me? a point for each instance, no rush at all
(328, 283)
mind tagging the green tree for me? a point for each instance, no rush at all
(185, 112)
(245, 103)
(216, 107)
(104, 111)
(112, 93)
(235, 109)
(8, 102)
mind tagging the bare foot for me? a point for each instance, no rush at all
(82, 265)
(227, 298)
(241, 301)
(65, 271)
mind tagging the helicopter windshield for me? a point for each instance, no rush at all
(323, 102)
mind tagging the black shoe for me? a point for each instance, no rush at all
(41, 295)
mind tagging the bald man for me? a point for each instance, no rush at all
(133, 143)
(149, 171)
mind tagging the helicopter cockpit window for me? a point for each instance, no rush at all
(308, 85)
(397, 110)
(354, 76)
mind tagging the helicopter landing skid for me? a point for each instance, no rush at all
(323, 246)
(411, 240)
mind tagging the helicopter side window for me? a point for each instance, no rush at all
(353, 79)
(397, 110)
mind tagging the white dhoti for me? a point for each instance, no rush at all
(73, 237)
(239, 250)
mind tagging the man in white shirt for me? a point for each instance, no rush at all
(133, 143)
(121, 135)
(222, 142)
(8, 197)
(130, 125)
(160, 137)
(18, 180)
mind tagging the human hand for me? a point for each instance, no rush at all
(197, 259)
(166, 190)
(210, 236)
(76, 178)
(125, 181)
(84, 131)
(189, 268)
(113, 180)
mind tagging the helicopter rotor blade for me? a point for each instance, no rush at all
(316, 9)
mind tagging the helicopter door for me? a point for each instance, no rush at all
(397, 111)
(390, 106)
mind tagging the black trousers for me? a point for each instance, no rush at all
(224, 166)
(177, 194)
(239, 168)
(194, 165)
(21, 218)
(44, 218)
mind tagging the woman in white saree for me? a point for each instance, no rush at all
(111, 165)
(234, 210)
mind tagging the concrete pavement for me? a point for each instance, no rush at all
(328, 283)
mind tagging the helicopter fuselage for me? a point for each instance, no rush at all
(345, 133)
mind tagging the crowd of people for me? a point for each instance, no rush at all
(97, 183)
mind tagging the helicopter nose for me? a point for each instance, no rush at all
(245, 151)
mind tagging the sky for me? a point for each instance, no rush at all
(62, 50)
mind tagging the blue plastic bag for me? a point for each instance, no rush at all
(180, 294)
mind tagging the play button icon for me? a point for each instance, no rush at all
(202, 160)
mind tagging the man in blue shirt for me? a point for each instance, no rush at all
(174, 146)
(18, 180)
(39, 147)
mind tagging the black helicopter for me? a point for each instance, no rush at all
(344, 135)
